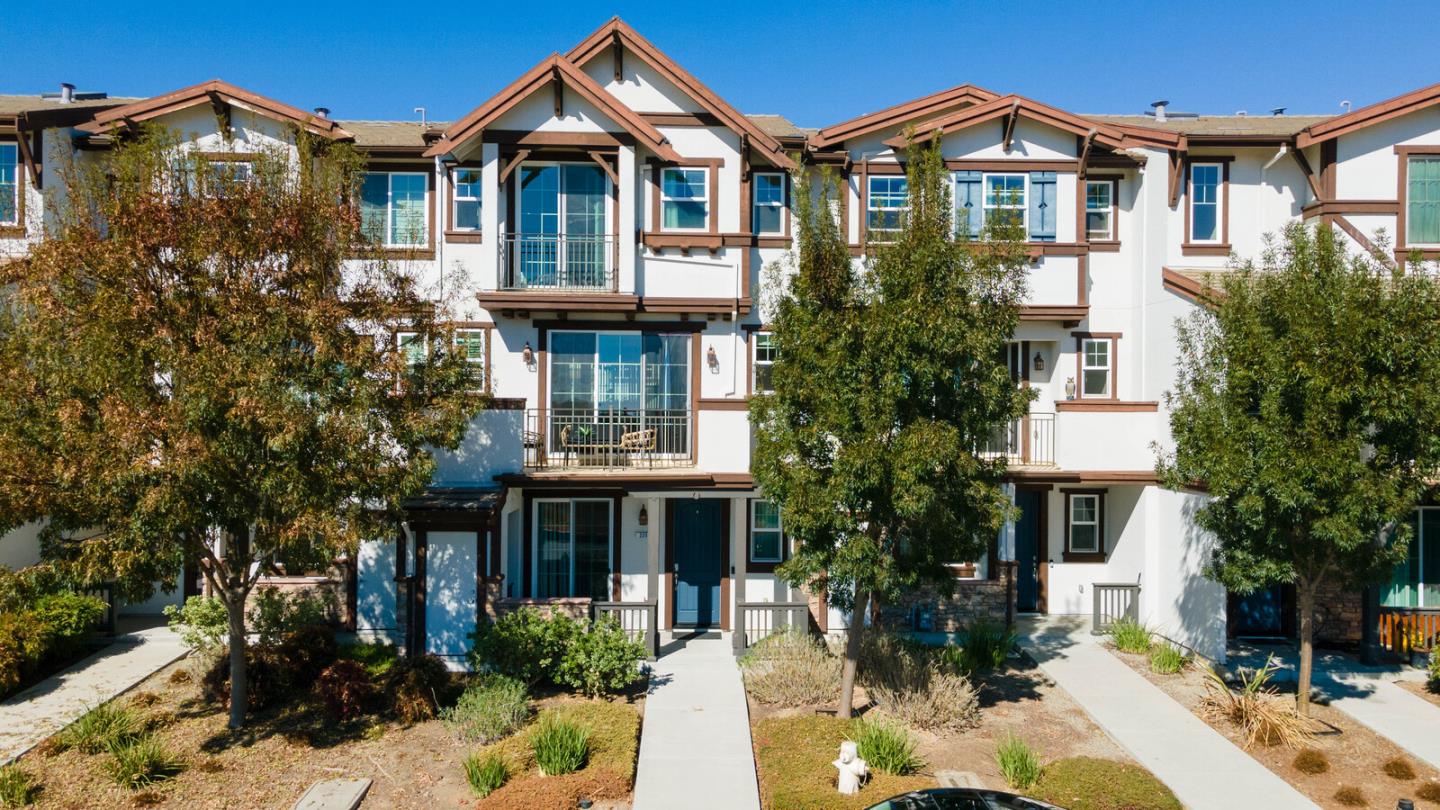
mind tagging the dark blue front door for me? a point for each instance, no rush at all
(1027, 550)
(698, 561)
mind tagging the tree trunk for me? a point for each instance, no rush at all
(852, 653)
(1305, 595)
(239, 688)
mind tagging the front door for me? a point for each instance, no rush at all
(1027, 550)
(699, 561)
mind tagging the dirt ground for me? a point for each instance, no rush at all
(270, 764)
(1356, 754)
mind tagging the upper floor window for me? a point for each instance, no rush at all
(466, 214)
(470, 343)
(769, 205)
(1099, 214)
(887, 200)
(1096, 367)
(1205, 213)
(767, 543)
(9, 184)
(765, 354)
(1005, 199)
(969, 216)
(392, 208)
(684, 199)
(1422, 200)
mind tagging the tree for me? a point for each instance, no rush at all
(1307, 406)
(889, 380)
(197, 364)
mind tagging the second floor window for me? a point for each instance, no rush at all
(1005, 199)
(1096, 367)
(765, 354)
(887, 201)
(1205, 202)
(392, 208)
(466, 216)
(1422, 200)
(9, 184)
(769, 204)
(470, 343)
(684, 199)
(1099, 222)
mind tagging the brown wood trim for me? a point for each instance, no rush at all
(1403, 154)
(464, 237)
(1185, 286)
(1334, 207)
(1068, 315)
(1349, 227)
(1310, 178)
(1327, 131)
(420, 584)
(674, 119)
(1105, 406)
(545, 326)
(1096, 477)
(695, 384)
(922, 107)
(751, 564)
(1084, 556)
(723, 404)
(1188, 248)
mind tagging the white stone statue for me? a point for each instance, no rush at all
(851, 767)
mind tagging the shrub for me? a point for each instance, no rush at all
(1166, 660)
(306, 651)
(345, 689)
(560, 746)
(1130, 636)
(1312, 762)
(1261, 714)
(912, 686)
(274, 614)
(524, 644)
(791, 669)
(1399, 768)
(887, 747)
(376, 658)
(600, 658)
(491, 707)
(202, 622)
(17, 788)
(986, 644)
(20, 587)
(1430, 792)
(1433, 671)
(485, 774)
(1085, 783)
(51, 629)
(1018, 763)
(100, 729)
(67, 619)
(1350, 796)
(141, 762)
(418, 687)
(267, 677)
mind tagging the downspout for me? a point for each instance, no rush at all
(1264, 217)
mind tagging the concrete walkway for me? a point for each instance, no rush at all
(695, 743)
(45, 708)
(1203, 768)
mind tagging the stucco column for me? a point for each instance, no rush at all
(625, 217)
(737, 571)
(655, 557)
(490, 216)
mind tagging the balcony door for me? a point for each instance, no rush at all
(562, 237)
(619, 393)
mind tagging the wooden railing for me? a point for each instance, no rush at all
(637, 619)
(1114, 601)
(1403, 629)
(105, 592)
(759, 620)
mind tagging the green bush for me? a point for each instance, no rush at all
(376, 658)
(274, 614)
(1166, 659)
(1085, 783)
(48, 631)
(202, 622)
(560, 746)
(1434, 670)
(139, 763)
(17, 788)
(1018, 763)
(524, 644)
(791, 669)
(20, 587)
(101, 729)
(887, 747)
(1130, 636)
(418, 687)
(600, 658)
(485, 774)
(985, 646)
(491, 707)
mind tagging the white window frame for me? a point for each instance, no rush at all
(870, 206)
(535, 542)
(15, 184)
(778, 530)
(779, 205)
(1109, 211)
(756, 362)
(475, 362)
(400, 346)
(390, 209)
(1071, 522)
(457, 198)
(1023, 207)
(1218, 202)
(1108, 368)
(703, 197)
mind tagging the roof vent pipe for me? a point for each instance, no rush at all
(1277, 111)
(67, 93)
(323, 112)
(1159, 110)
(1346, 105)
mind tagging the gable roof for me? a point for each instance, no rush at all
(1369, 116)
(553, 68)
(923, 107)
(1012, 104)
(1219, 126)
(217, 92)
(617, 30)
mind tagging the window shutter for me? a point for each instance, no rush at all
(968, 211)
(1042, 206)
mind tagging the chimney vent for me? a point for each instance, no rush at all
(323, 112)
(1159, 110)
(67, 93)
(1277, 110)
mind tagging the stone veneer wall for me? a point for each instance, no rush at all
(971, 599)
(1339, 615)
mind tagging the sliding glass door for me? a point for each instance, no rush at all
(562, 237)
(619, 393)
(573, 548)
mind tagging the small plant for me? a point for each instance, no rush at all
(1166, 659)
(912, 685)
(600, 658)
(1399, 768)
(1433, 671)
(100, 729)
(17, 788)
(1350, 796)
(345, 689)
(1310, 761)
(144, 700)
(791, 669)
(491, 707)
(1430, 792)
(986, 644)
(202, 622)
(560, 746)
(887, 747)
(1130, 636)
(139, 763)
(1018, 763)
(1264, 716)
(418, 687)
(485, 774)
(180, 676)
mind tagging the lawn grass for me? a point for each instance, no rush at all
(1085, 783)
(793, 756)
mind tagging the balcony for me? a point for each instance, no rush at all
(608, 439)
(558, 263)
(1026, 442)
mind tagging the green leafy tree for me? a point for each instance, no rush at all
(197, 364)
(1307, 405)
(889, 380)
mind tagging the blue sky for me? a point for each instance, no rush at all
(817, 63)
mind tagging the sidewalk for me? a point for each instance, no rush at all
(1203, 768)
(695, 749)
(52, 704)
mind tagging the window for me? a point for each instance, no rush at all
(572, 548)
(392, 208)
(769, 205)
(1095, 367)
(412, 347)
(887, 202)
(9, 184)
(1416, 581)
(1422, 200)
(1005, 199)
(765, 354)
(224, 173)
(1084, 523)
(1205, 211)
(466, 216)
(684, 199)
(470, 343)
(968, 208)
(767, 544)
(1042, 207)
(621, 392)
(1099, 214)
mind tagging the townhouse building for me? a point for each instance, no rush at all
(610, 221)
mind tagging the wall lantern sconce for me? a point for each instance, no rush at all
(1038, 363)
(1069, 387)
(644, 519)
(712, 360)
(527, 356)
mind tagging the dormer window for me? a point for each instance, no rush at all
(684, 199)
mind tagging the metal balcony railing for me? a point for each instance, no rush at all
(558, 263)
(561, 438)
(1026, 442)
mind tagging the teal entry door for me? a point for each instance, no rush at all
(699, 560)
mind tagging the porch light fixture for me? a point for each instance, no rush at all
(1069, 387)
(527, 355)
(712, 360)
(644, 519)
(1038, 363)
